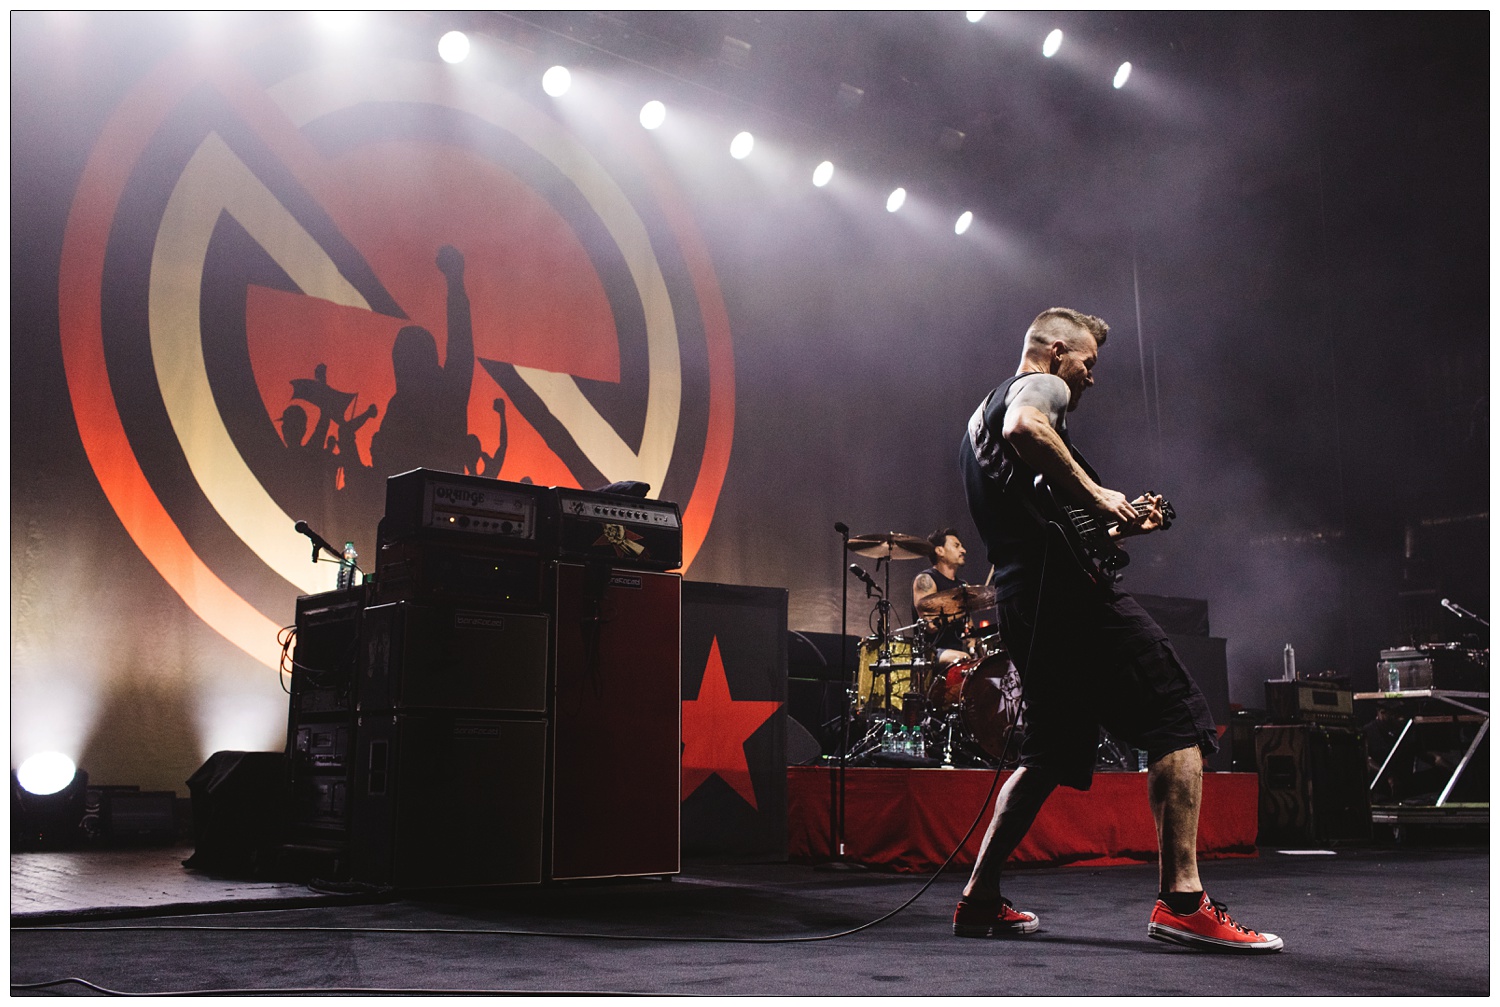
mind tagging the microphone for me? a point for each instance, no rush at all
(870, 584)
(841, 528)
(1461, 612)
(318, 541)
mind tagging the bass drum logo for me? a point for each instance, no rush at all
(273, 296)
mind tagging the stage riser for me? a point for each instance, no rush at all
(909, 820)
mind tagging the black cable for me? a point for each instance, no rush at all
(581, 936)
(315, 990)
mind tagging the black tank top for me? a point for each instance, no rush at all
(951, 637)
(1002, 495)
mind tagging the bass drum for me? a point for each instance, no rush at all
(990, 706)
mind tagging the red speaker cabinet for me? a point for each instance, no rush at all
(617, 731)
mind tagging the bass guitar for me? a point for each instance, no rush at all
(1088, 536)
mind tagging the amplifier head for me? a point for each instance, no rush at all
(625, 530)
(448, 506)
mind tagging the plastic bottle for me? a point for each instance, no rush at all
(1288, 664)
(347, 566)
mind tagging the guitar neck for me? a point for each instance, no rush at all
(1086, 524)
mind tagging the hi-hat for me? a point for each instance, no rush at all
(890, 545)
(957, 600)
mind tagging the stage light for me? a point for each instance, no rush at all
(46, 773)
(1053, 43)
(974, 16)
(556, 81)
(741, 146)
(653, 114)
(454, 47)
(894, 201)
(823, 174)
(964, 220)
(1122, 75)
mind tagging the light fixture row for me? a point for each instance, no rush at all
(1053, 43)
(558, 80)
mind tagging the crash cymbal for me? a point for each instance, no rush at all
(957, 600)
(890, 545)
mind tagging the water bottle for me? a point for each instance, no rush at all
(1393, 677)
(889, 743)
(918, 742)
(347, 566)
(1288, 664)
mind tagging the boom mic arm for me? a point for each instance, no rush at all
(1462, 612)
(870, 585)
(318, 541)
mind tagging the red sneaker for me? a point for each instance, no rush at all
(985, 921)
(1208, 929)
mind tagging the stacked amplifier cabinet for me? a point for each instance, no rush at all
(517, 693)
(449, 780)
(320, 724)
(617, 699)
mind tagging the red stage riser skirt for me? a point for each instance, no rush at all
(909, 820)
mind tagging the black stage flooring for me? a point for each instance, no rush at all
(1363, 921)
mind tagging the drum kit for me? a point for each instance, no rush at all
(915, 702)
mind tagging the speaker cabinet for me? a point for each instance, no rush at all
(617, 712)
(452, 657)
(1314, 787)
(239, 809)
(442, 799)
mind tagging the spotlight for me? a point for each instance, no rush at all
(964, 220)
(974, 16)
(823, 174)
(46, 773)
(741, 146)
(454, 47)
(556, 81)
(47, 796)
(1122, 75)
(894, 201)
(1053, 43)
(653, 114)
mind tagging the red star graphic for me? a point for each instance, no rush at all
(715, 727)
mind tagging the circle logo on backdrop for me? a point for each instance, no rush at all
(272, 297)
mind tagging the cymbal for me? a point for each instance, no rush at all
(890, 545)
(957, 600)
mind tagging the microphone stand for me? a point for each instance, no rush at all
(836, 789)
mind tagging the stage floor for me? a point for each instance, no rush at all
(1361, 921)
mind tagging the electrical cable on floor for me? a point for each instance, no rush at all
(989, 796)
(538, 933)
(324, 990)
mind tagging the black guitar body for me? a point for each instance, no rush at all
(1087, 538)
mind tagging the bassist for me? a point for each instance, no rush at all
(1089, 655)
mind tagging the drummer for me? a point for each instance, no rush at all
(947, 554)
